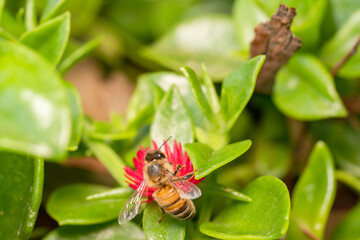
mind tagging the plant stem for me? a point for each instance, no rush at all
(352, 51)
(349, 180)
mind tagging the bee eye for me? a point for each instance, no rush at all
(158, 155)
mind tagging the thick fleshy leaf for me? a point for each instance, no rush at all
(108, 131)
(172, 118)
(109, 158)
(114, 193)
(349, 180)
(77, 117)
(34, 110)
(198, 93)
(313, 195)
(210, 91)
(305, 90)
(169, 228)
(104, 231)
(80, 53)
(208, 39)
(349, 228)
(13, 26)
(272, 158)
(266, 217)
(207, 159)
(143, 100)
(150, 90)
(340, 44)
(50, 38)
(342, 10)
(30, 14)
(21, 184)
(238, 88)
(345, 148)
(68, 205)
(215, 189)
(51, 9)
(306, 25)
(2, 4)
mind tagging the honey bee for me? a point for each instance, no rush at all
(173, 193)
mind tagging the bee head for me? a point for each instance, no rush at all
(154, 154)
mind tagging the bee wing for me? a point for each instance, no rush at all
(185, 188)
(135, 204)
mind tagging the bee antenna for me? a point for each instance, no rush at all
(165, 142)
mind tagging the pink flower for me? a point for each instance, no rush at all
(176, 156)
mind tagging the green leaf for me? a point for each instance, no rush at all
(30, 14)
(198, 93)
(349, 180)
(51, 9)
(109, 131)
(108, 157)
(238, 88)
(104, 231)
(305, 90)
(247, 15)
(172, 118)
(210, 90)
(349, 228)
(50, 38)
(207, 160)
(21, 184)
(345, 148)
(2, 4)
(340, 44)
(34, 111)
(68, 205)
(11, 24)
(82, 21)
(114, 193)
(215, 189)
(266, 217)
(208, 39)
(342, 10)
(77, 117)
(272, 158)
(169, 228)
(78, 54)
(313, 195)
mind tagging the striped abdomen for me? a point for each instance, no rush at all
(170, 200)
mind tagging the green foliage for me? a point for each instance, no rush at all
(104, 231)
(68, 205)
(21, 182)
(169, 228)
(305, 90)
(340, 44)
(238, 88)
(349, 228)
(207, 160)
(50, 38)
(208, 106)
(171, 118)
(198, 40)
(34, 110)
(270, 206)
(313, 195)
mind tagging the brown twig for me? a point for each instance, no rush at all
(276, 41)
(308, 233)
(352, 51)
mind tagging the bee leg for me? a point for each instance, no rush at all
(189, 175)
(162, 215)
(178, 167)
